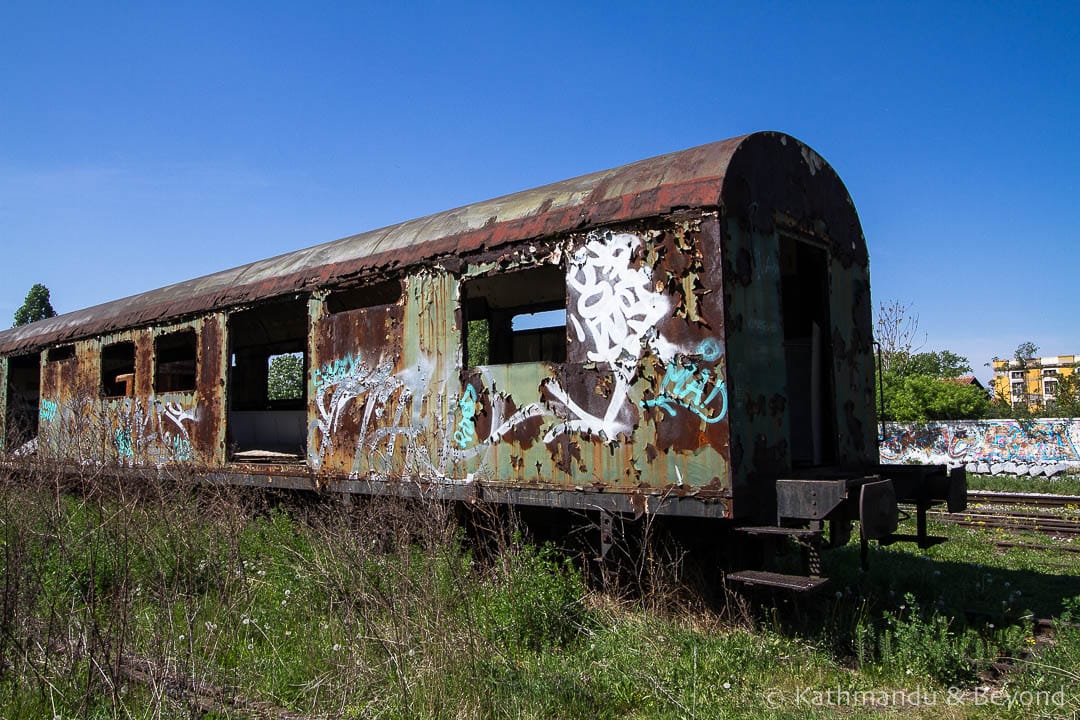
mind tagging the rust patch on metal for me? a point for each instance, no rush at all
(208, 439)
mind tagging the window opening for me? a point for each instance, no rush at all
(175, 361)
(387, 292)
(118, 369)
(515, 317)
(267, 390)
(56, 354)
(285, 377)
(23, 400)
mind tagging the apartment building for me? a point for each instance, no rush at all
(1033, 381)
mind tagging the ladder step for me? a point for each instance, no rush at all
(777, 530)
(800, 583)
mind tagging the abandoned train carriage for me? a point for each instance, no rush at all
(688, 335)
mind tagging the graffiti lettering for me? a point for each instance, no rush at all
(153, 430)
(334, 372)
(999, 441)
(688, 387)
(49, 409)
(122, 441)
(466, 427)
(616, 306)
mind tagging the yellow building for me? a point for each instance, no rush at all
(1033, 381)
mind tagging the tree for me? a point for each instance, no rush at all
(1067, 395)
(1022, 402)
(896, 330)
(35, 307)
(1025, 351)
(921, 398)
(921, 386)
(285, 379)
(941, 364)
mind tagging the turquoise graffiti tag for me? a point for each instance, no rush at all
(466, 425)
(49, 410)
(686, 385)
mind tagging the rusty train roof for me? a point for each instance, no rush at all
(689, 178)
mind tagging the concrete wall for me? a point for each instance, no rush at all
(1046, 446)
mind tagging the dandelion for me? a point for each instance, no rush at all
(727, 686)
(245, 620)
(284, 603)
(181, 638)
(288, 592)
(336, 648)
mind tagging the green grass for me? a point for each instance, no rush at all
(387, 610)
(1067, 484)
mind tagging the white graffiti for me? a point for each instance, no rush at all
(617, 309)
(153, 430)
(343, 381)
(615, 315)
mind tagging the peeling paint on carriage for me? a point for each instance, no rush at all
(682, 369)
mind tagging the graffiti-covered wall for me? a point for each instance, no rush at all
(1017, 447)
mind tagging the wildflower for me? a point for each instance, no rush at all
(245, 620)
(288, 592)
(727, 686)
(181, 638)
(337, 647)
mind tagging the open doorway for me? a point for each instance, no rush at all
(808, 352)
(23, 400)
(267, 419)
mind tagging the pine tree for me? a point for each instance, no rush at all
(35, 307)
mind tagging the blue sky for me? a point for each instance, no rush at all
(143, 144)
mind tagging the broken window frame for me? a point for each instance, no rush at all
(362, 297)
(159, 366)
(482, 307)
(60, 353)
(109, 388)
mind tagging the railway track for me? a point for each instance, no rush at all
(1026, 499)
(1019, 512)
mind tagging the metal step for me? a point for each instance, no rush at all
(800, 533)
(762, 578)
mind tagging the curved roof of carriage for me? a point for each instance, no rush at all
(693, 178)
